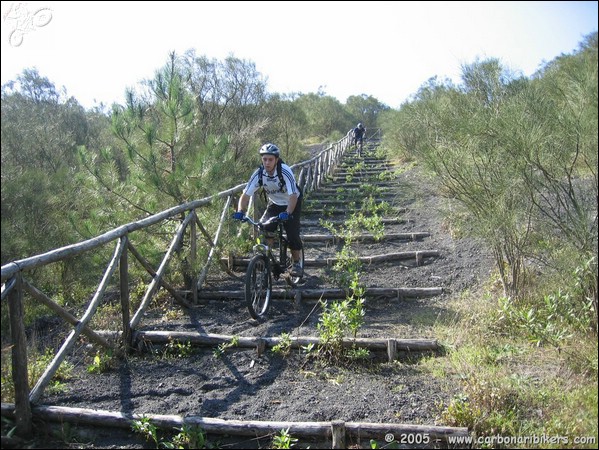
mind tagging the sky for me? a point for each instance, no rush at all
(387, 50)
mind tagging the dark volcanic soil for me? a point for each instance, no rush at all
(240, 385)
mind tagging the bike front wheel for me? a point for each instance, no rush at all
(258, 286)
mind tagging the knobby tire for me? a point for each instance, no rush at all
(258, 286)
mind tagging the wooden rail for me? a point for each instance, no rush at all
(366, 237)
(310, 175)
(336, 432)
(391, 345)
(418, 256)
(329, 293)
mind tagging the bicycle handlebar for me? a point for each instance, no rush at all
(261, 224)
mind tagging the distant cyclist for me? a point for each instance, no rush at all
(284, 199)
(359, 133)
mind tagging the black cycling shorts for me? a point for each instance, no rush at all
(292, 226)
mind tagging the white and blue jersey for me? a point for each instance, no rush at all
(277, 192)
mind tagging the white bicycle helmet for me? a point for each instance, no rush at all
(269, 149)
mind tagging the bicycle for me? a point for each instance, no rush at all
(359, 147)
(264, 266)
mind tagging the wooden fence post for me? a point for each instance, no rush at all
(193, 254)
(309, 176)
(19, 358)
(338, 432)
(301, 177)
(315, 176)
(124, 288)
(418, 259)
(260, 347)
(391, 349)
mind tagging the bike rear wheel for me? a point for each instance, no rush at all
(258, 286)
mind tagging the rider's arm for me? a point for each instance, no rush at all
(244, 201)
(292, 188)
(291, 204)
(248, 191)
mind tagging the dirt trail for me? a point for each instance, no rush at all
(238, 384)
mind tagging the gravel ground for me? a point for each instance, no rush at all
(239, 384)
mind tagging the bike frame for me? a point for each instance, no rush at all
(277, 265)
(360, 146)
(263, 266)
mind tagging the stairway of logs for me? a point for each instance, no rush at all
(324, 218)
(325, 213)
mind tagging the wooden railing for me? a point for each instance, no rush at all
(310, 175)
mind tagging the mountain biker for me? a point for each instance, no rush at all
(284, 200)
(359, 133)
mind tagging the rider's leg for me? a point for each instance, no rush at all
(292, 227)
(296, 255)
(272, 210)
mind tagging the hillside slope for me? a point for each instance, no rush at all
(238, 384)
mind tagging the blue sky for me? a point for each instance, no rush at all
(385, 49)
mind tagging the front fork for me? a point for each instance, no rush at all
(276, 269)
(279, 268)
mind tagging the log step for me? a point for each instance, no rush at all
(384, 220)
(418, 255)
(339, 181)
(210, 339)
(335, 185)
(358, 173)
(354, 191)
(328, 293)
(365, 237)
(344, 198)
(336, 210)
(355, 430)
(319, 202)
